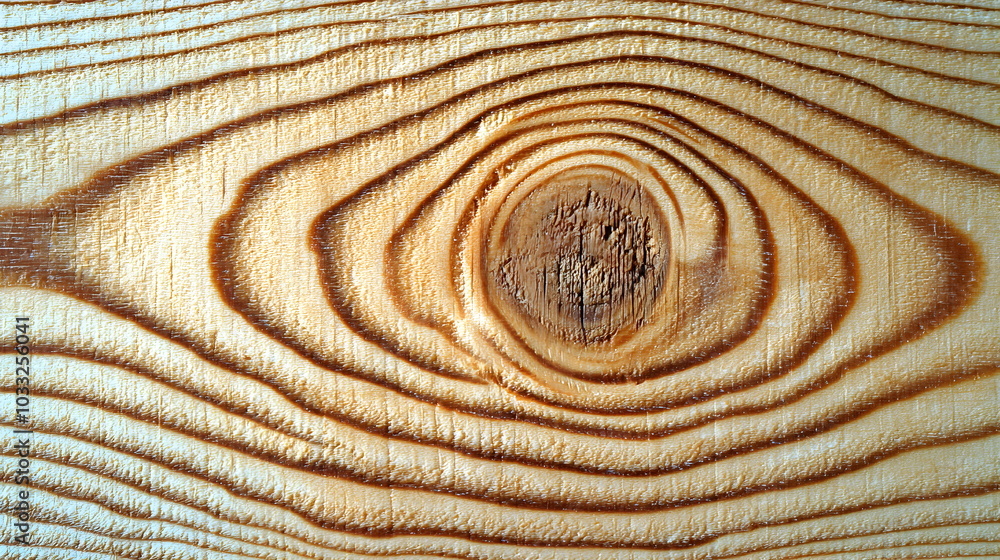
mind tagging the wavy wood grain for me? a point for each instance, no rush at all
(540, 279)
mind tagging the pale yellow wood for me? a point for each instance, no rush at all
(537, 280)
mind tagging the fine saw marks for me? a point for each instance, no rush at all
(539, 280)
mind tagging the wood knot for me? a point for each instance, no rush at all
(583, 257)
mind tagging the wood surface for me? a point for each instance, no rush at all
(519, 280)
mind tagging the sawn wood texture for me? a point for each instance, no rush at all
(514, 280)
